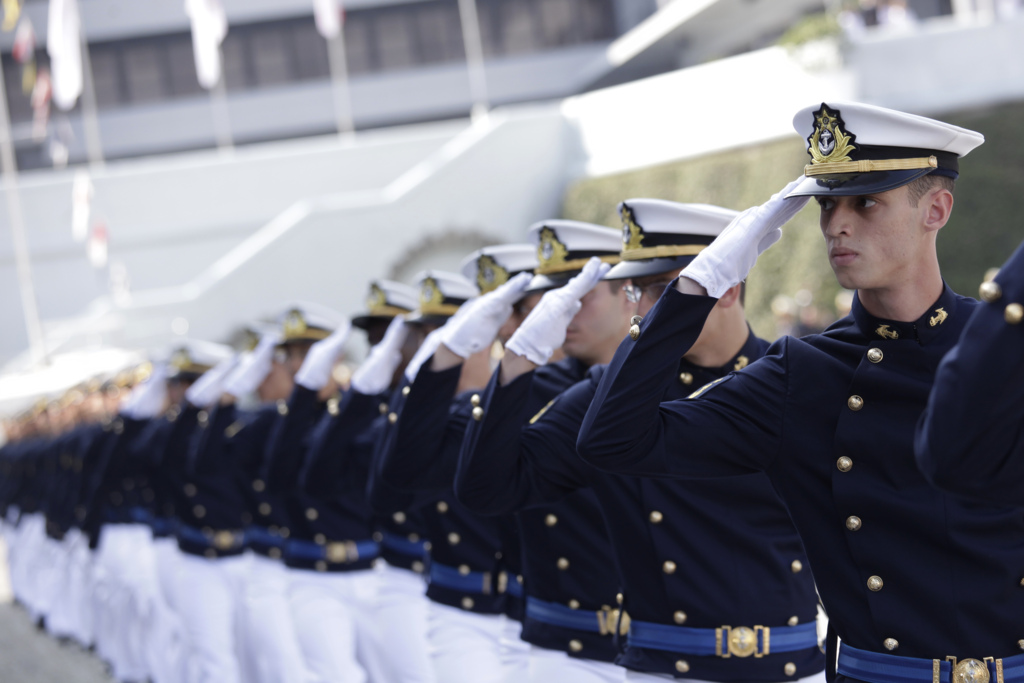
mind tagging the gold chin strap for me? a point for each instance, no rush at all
(575, 264)
(869, 165)
(662, 251)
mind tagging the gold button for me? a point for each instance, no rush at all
(258, 485)
(669, 567)
(990, 291)
(793, 621)
(853, 523)
(875, 583)
(378, 536)
(320, 539)
(312, 514)
(478, 413)
(399, 517)
(383, 408)
(844, 464)
(454, 538)
(414, 538)
(467, 603)
(264, 509)
(333, 407)
(563, 563)
(1014, 314)
(274, 553)
(686, 378)
(855, 402)
(442, 506)
(1020, 644)
(682, 666)
(190, 490)
(634, 332)
(679, 617)
(575, 645)
(574, 604)
(656, 517)
(796, 566)
(406, 389)
(417, 567)
(618, 598)
(284, 533)
(203, 418)
(392, 418)
(199, 511)
(282, 407)
(474, 400)
(875, 355)
(551, 520)
(321, 566)
(464, 569)
(790, 668)
(891, 643)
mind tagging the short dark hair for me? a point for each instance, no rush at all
(920, 187)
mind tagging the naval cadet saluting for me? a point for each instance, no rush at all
(918, 585)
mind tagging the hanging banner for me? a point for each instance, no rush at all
(64, 45)
(209, 27)
(328, 17)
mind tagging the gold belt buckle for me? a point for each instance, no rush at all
(741, 641)
(223, 540)
(502, 582)
(607, 618)
(340, 552)
(970, 670)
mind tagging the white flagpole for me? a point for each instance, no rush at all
(209, 27)
(474, 57)
(90, 117)
(9, 179)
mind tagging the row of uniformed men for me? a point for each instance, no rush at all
(672, 549)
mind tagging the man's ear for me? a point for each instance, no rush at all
(731, 296)
(938, 209)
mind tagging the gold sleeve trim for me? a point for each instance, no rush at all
(662, 251)
(869, 165)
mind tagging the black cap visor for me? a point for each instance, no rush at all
(857, 184)
(647, 267)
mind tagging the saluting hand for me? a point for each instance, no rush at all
(316, 368)
(253, 368)
(374, 375)
(727, 261)
(467, 334)
(207, 389)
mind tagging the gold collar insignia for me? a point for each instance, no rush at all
(632, 233)
(829, 143)
(884, 332)
(489, 275)
(741, 363)
(939, 317)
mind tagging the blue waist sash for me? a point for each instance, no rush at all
(876, 667)
(335, 552)
(463, 580)
(219, 540)
(603, 621)
(404, 546)
(724, 641)
(513, 587)
(262, 535)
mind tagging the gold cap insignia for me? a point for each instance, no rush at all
(181, 359)
(430, 294)
(294, 324)
(632, 233)
(884, 332)
(377, 298)
(939, 317)
(829, 143)
(489, 275)
(250, 340)
(550, 252)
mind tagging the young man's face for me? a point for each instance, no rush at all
(651, 288)
(870, 239)
(603, 320)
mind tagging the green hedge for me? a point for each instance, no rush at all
(985, 228)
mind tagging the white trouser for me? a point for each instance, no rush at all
(552, 665)
(79, 587)
(25, 559)
(124, 571)
(638, 677)
(402, 614)
(161, 629)
(208, 594)
(467, 647)
(336, 625)
(49, 570)
(515, 652)
(270, 647)
(61, 611)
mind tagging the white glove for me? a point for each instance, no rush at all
(424, 353)
(147, 400)
(253, 368)
(206, 390)
(543, 331)
(466, 334)
(727, 261)
(316, 368)
(374, 375)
